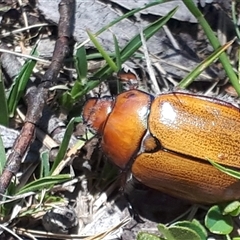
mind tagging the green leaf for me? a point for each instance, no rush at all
(118, 54)
(195, 226)
(81, 63)
(178, 233)
(3, 159)
(4, 120)
(89, 86)
(232, 208)
(218, 223)
(67, 99)
(64, 145)
(183, 233)
(164, 231)
(109, 61)
(12, 188)
(45, 166)
(147, 236)
(42, 183)
(20, 83)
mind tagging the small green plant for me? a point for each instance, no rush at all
(45, 182)
(2, 156)
(218, 221)
(82, 85)
(19, 85)
(181, 230)
(4, 119)
(215, 44)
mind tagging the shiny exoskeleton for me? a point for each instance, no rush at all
(166, 141)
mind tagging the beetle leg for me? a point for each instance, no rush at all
(132, 211)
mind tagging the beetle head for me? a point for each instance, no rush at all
(96, 111)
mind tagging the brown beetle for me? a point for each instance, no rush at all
(166, 141)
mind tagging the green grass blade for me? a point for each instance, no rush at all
(64, 145)
(3, 158)
(229, 171)
(215, 43)
(117, 54)
(81, 67)
(4, 119)
(88, 87)
(156, 2)
(148, 32)
(98, 56)
(105, 55)
(42, 183)
(81, 63)
(20, 83)
(203, 65)
(45, 166)
(235, 20)
(133, 45)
